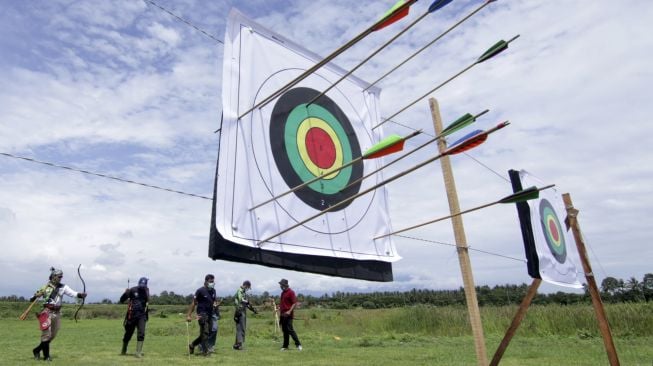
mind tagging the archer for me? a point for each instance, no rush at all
(50, 318)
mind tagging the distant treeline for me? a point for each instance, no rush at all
(613, 290)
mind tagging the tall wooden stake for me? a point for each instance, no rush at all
(461, 241)
(516, 321)
(572, 215)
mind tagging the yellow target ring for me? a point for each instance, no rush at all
(302, 132)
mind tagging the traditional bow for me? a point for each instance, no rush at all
(79, 273)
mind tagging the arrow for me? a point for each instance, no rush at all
(473, 139)
(398, 11)
(389, 145)
(461, 122)
(389, 180)
(521, 196)
(491, 52)
(436, 5)
(432, 42)
(524, 195)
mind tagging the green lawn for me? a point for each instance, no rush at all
(330, 337)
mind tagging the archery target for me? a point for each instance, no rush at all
(552, 231)
(274, 138)
(305, 141)
(316, 138)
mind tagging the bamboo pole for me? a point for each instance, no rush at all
(25, 313)
(516, 321)
(604, 326)
(461, 241)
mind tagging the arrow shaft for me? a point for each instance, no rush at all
(393, 162)
(450, 216)
(387, 181)
(443, 134)
(437, 220)
(307, 183)
(426, 94)
(331, 208)
(324, 61)
(369, 57)
(328, 172)
(429, 44)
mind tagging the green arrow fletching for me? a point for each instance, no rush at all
(388, 145)
(459, 124)
(493, 51)
(530, 193)
(496, 49)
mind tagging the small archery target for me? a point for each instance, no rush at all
(553, 231)
(311, 140)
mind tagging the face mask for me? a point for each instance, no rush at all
(211, 285)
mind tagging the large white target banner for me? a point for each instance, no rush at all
(296, 137)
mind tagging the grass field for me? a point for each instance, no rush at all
(550, 335)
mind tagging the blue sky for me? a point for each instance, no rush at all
(125, 89)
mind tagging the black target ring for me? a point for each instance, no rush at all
(290, 111)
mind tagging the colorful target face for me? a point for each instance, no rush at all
(312, 140)
(553, 231)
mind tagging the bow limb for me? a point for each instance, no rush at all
(79, 273)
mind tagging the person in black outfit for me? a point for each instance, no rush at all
(205, 300)
(137, 315)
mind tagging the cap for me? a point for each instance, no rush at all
(142, 282)
(283, 282)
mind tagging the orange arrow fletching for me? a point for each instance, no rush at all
(468, 142)
(398, 11)
(387, 146)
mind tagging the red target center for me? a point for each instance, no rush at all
(553, 229)
(321, 149)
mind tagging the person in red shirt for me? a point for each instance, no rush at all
(286, 307)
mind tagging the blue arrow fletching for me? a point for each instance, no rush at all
(467, 137)
(438, 4)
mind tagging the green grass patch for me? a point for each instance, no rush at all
(421, 335)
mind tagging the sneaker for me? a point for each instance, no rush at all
(284, 349)
(238, 347)
(211, 349)
(37, 354)
(299, 348)
(191, 349)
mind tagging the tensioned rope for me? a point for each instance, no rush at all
(185, 21)
(122, 180)
(103, 175)
(469, 247)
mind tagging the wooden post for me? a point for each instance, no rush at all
(461, 241)
(604, 326)
(516, 321)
